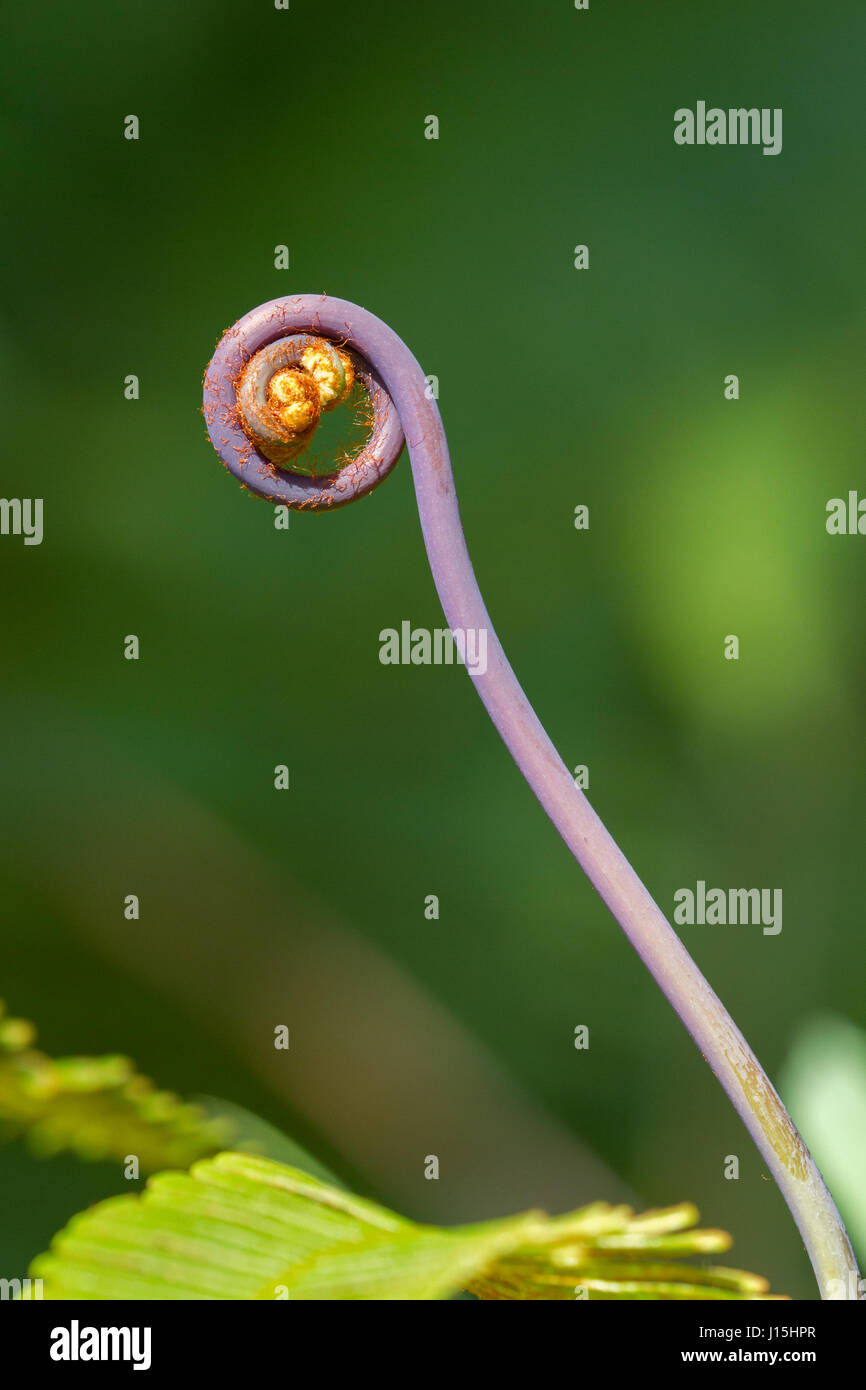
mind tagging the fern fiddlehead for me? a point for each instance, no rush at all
(401, 404)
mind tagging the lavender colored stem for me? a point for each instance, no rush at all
(714, 1031)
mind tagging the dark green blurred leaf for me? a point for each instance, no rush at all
(100, 1107)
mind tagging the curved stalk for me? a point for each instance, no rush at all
(712, 1028)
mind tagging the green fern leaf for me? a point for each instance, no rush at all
(239, 1227)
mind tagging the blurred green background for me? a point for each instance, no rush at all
(259, 647)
